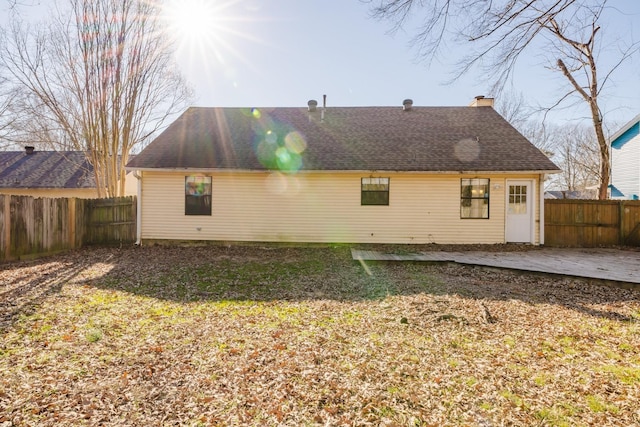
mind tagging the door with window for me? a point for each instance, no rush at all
(519, 228)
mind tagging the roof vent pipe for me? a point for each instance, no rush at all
(29, 149)
(312, 104)
(407, 104)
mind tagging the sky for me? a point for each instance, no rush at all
(273, 53)
(285, 52)
(282, 53)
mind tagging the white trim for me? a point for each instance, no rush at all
(138, 209)
(463, 172)
(532, 214)
(534, 189)
(541, 204)
(623, 129)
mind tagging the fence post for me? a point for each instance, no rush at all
(7, 226)
(72, 222)
(620, 222)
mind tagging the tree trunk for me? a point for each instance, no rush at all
(605, 160)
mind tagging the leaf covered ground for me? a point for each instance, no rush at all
(207, 336)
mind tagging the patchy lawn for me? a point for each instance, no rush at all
(207, 336)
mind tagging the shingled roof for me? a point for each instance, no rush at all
(45, 169)
(432, 139)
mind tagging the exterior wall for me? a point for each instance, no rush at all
(322, 207)
(625, 166)
(538, 194)
(130, 189)
(54, 193)
(130, 185)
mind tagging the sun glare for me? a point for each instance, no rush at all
(192, 20)
(208, 29)
(212, 37)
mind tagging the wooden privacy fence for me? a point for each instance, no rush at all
(32, 227)
(591, 223)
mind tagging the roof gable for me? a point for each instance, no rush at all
(343, 138)
(626, 133)
(45, 169)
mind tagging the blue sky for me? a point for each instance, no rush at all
(284, 52)
(272, 53)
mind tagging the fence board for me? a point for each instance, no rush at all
(592, 223)
(37, 226)
(110, 221)
(5, 225)
(630, 213)
(33, 227)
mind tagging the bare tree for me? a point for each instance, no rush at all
(579, 158)
(499, 31)
(7, 119)
(573, 147)
(99, 78)
(514, 108)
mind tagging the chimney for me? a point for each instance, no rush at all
(313, 104)
(481, 101)
(29, 149)
(407, 104)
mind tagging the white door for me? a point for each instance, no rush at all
(519, 227)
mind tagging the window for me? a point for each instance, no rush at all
(197, 195)
(474, 198)
(374, 191)
(517, 199)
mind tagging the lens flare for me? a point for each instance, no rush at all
(281, 184)
(278, 147)
(283, 155)
(295, 142)
(467, 150)
(271, 137)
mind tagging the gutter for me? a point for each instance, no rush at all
(349, 171)
(138, 209)
(541, 208)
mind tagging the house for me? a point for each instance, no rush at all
(403, 174)
(625, 161)
(50, 174)
(590, 193)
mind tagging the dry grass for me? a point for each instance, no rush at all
(203, 336)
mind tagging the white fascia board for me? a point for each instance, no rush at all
(463, 172)
(624, 128)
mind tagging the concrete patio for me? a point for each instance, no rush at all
(621, 267)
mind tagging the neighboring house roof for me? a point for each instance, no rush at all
(343, 138)
(615, 193)
(45, 169)
(626, 133)
(587, 194)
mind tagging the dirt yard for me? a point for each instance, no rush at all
(208, 336)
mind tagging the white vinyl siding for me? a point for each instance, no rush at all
(54, 193)
(625, 167)
(319, 207)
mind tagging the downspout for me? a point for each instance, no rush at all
(609, 186)
(541, 185)
(139, 209)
